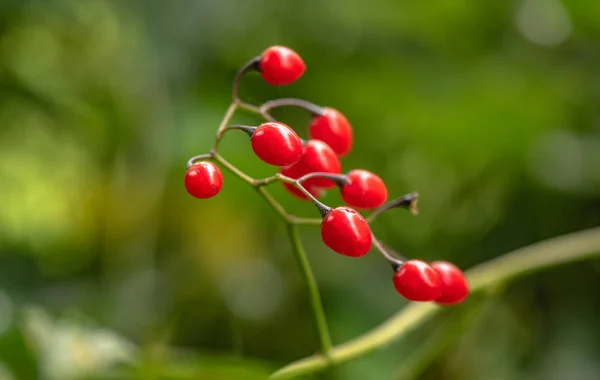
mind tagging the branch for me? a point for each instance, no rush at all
(565, 249)
(292, 102)
(313, 291)
(407, 201)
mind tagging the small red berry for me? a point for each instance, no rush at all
(280, 65)
(454, 285)
(319, 157)
(364, 191)
(315, 191)
(276, 144)
(294, 172)
(333, 128)
(203, 180)
(346, 232)
(316, 157)
(415, 280)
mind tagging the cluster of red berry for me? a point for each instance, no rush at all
(308, 168)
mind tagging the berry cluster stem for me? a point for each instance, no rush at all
(291, 221)
(291, 102)
(313, 289)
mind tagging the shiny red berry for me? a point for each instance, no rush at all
(454, 285)
(415, 280)
(276, 144)
(294, 172)
(365, 190)
(333, 128)
(203, 180)
(318, 157)
(280, 65)
(346, 232)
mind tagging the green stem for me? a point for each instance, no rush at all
(451, 327)
(487, 276)
(233, 170)
(313, 221)
(275, 205)
(228, 115)
(313, 292)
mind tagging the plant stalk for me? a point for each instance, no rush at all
(313, 291)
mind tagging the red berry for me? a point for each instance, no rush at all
(294, 172)
(280, 65)
(454, 285)
(346, 232)
(317, 157)
(276, 144)
(315, 191)
(333, 128)
(415, 280)
(203, 180)
(365, 190)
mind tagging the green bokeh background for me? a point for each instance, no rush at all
(489, 109)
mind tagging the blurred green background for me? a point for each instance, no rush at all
(108, 268)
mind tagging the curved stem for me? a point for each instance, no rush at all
(192, 161)
(322, 207)
(451, 328)
(249, 130)
(313, 292)
(228, 115)
(487, 276)
(339, 179)
(234, 170)
(292, 102)
(394, 262)
(407, 201)
(249, 66)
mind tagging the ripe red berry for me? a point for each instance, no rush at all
(276, 144)
(294, 172)
(203, 180)
(280, 65)
(318, 157)
(364, 191)
(333, 128)
(346, 232)
(454, 287)
(415, 280)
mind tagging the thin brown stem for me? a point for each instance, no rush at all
(249, 130)
(407, 201)
(339, 179)
(323, 208)
(251, 65)
(192, 161)
(385, 252)
(292, 102)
